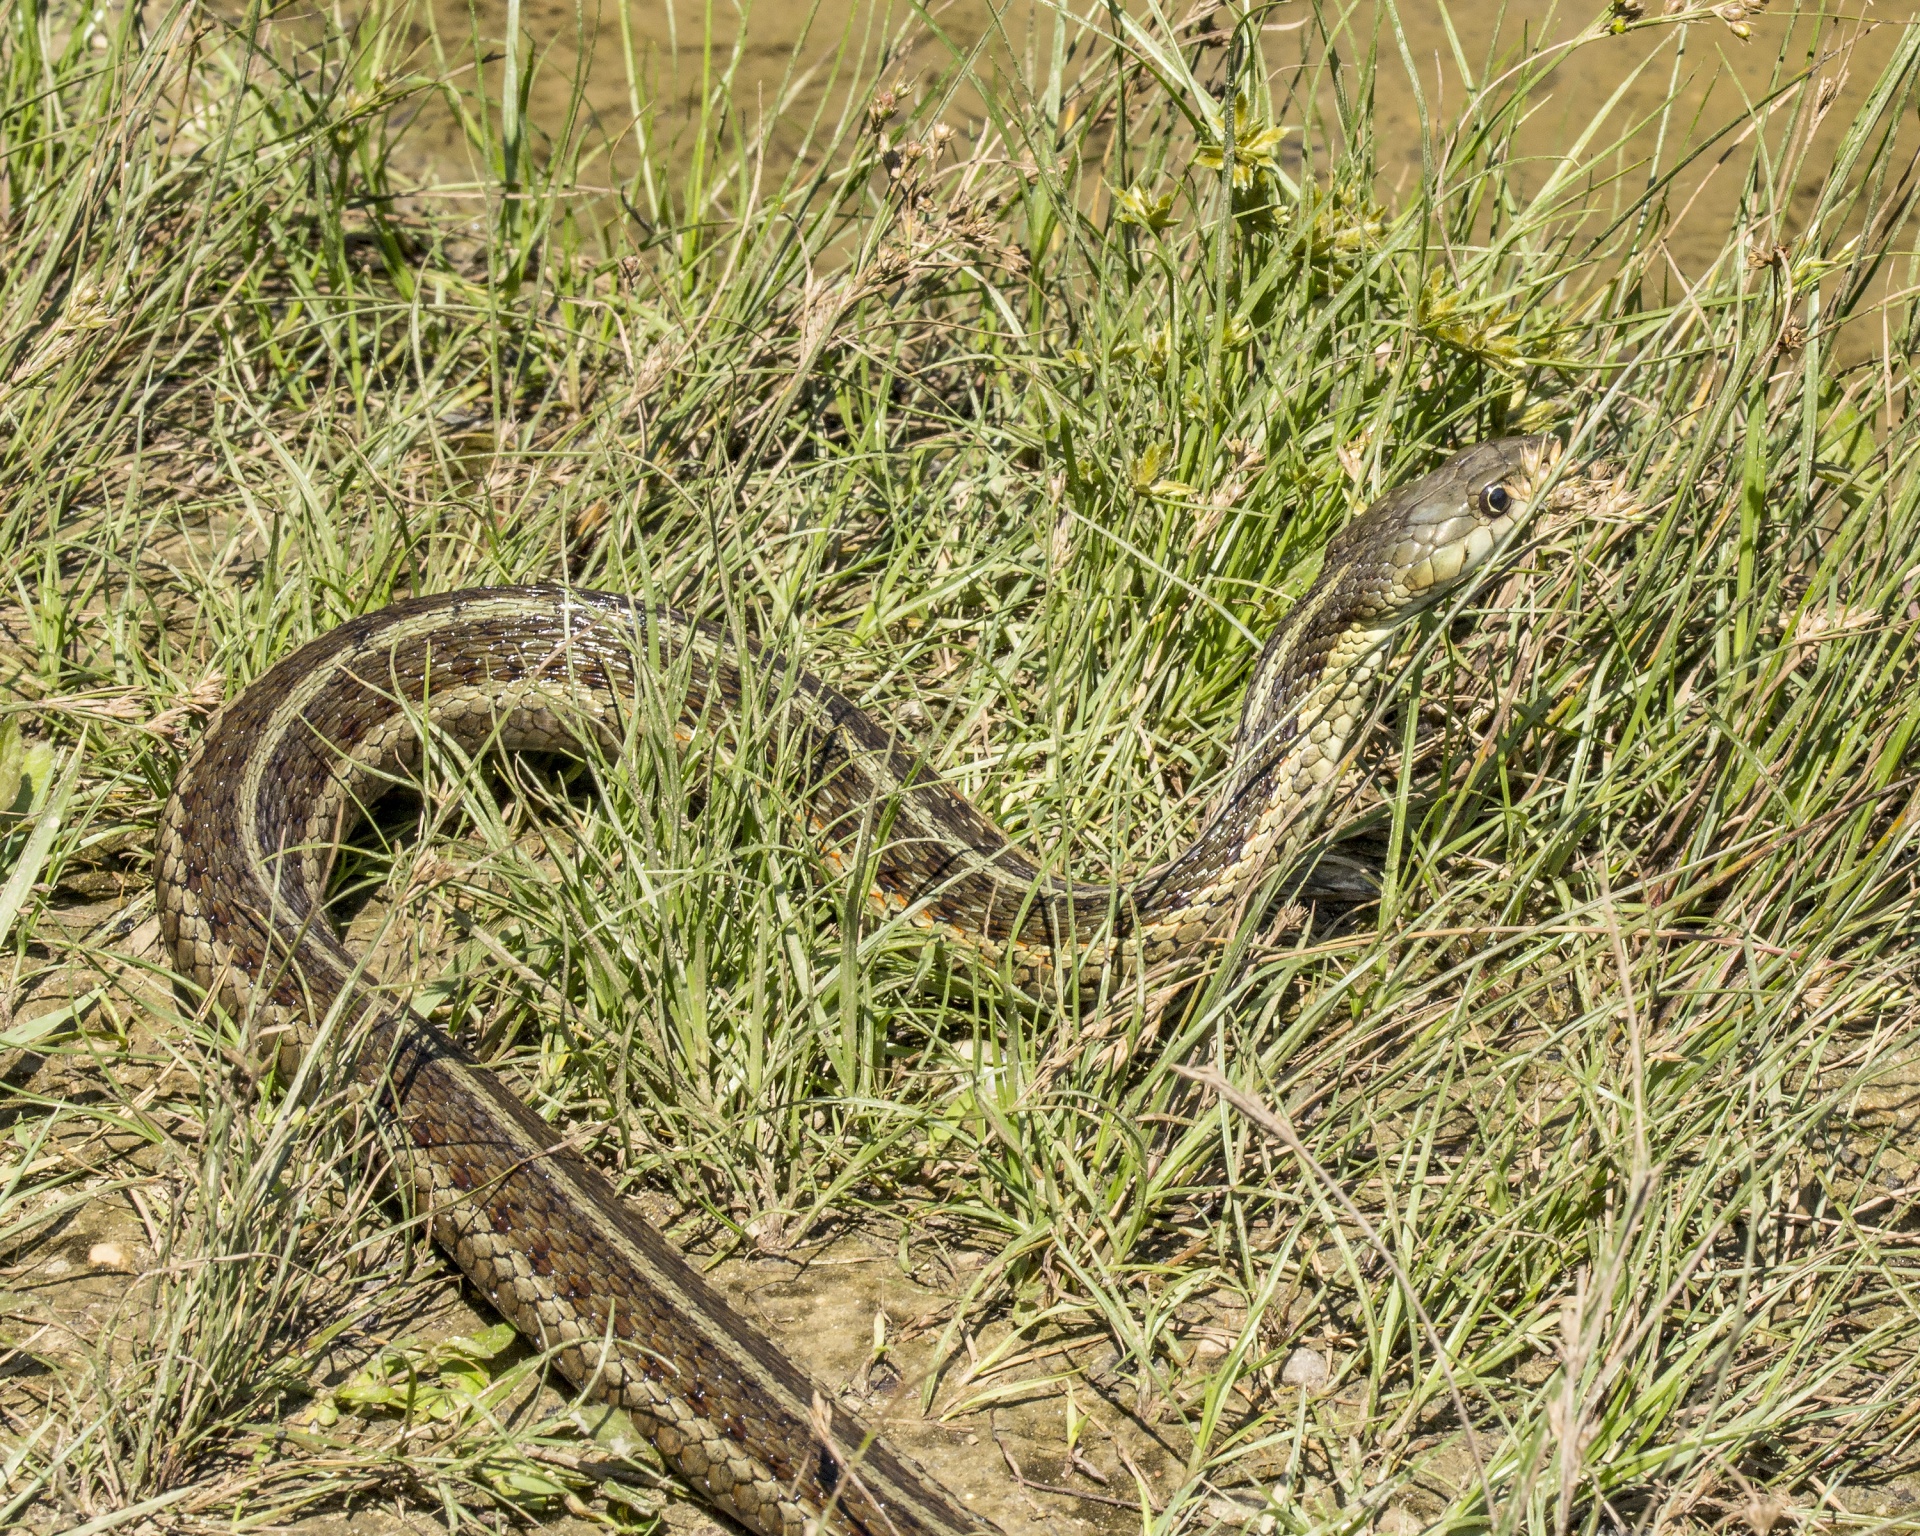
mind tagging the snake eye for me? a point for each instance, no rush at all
(1494, 500)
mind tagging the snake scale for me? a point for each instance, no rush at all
(248, 835)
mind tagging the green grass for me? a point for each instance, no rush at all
(1592, 1128)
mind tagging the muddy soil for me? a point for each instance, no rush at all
(785, 58)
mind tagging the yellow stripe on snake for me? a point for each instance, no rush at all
(247, 839)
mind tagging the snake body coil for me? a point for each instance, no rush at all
(246, 841)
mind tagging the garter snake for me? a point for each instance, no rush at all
(247, 836)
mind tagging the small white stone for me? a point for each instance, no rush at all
(109, 1255)
(1397, 1520)
(1234, 1515)
(1305, 1368)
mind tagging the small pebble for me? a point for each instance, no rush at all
(108, 1255)
(1305, 1368)
(1234, 1515)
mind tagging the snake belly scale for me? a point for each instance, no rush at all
(246, 843)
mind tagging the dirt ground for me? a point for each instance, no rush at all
(789, 45)
(64, 1292)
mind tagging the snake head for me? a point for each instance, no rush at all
(1421, 540)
